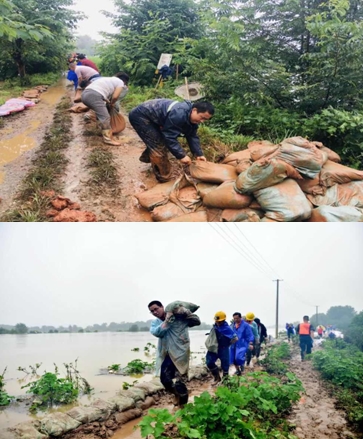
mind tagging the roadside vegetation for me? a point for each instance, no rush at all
(5, 398)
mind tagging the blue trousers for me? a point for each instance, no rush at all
(223, 355)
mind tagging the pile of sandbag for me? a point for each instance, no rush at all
(296, 180)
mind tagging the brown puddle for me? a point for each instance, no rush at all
(24, 137)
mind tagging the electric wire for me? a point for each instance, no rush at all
(236, 247)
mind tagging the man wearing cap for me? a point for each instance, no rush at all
(159, 123)
(244, 343)
(225, 338)
(250, 353)
(306, 335)
(173, 348)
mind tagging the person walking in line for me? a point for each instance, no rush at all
(262, 334)
(306, 335)
(225, 337)
(250, 353)
(159, 123)
(106, 91)
(244, 343)
(173, 351)
(290, 332)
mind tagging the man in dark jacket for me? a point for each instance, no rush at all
(159, 122)
(262, 332)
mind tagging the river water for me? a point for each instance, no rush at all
(94, 351)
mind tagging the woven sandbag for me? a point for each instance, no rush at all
(173, 306)
(166, 212)
(31, 94)
(312, 186)
(302, 142)
(329, 214)
(234, 158)
(156, 196)
(261, 148)
(348, 194)
(264, 173)
(117, 121)
(79, 108)
(242, 165)
(212, 172)
(284, 201)
(308, 160)
(194, 217)
(333, 173)
(225, 197)
(239, 215)
(204, 188)
(332, 155)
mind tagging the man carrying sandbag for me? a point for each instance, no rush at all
(159, 122)
(106, 91)
(171, 327)
(225, 337)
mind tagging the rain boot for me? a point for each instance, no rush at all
(217, 377)
(107, 138)
(238, 370)
(161, 165)
(145, 156)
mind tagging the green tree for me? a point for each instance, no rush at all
(354, 332)
(341, 316)
(134, 328)
(21, 328)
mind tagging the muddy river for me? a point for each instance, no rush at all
(94, 351)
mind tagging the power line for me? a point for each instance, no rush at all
(232, 244)
(268, 265)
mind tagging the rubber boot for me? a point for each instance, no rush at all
(239, 370)
(217, 377)
(160, 165)
(145, 156)
(107, 138)
(225, 377)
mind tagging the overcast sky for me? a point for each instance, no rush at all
(61, 274)
(96, 21)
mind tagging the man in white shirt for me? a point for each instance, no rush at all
(105, 91)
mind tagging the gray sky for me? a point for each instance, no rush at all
(96, 21)
(61, 274)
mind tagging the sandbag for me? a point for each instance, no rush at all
(185, 195)
(332, 155)
(284, 201)
(308, 160)
(239, 215)
(117, 121)
(336, 214)
(242, 165)
(194, 217)
(333, 173)
(174, 306)
(234, 158)
(261, 149)
(156, 196)
(166, 212)
(348, 194)
(204, 188)
(225, 197)
(302, 142)
(212, 172)
(31, 94)
(79, 108)
(312, 185)
(264, 173)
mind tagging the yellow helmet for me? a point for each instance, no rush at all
(250, 316)
(220, 316)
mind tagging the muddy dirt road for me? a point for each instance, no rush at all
(22, 134)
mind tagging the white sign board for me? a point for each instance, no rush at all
(165, 59)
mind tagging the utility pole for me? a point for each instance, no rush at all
(317, 315)
(277, 307)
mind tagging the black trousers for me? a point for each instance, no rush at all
(167, 375)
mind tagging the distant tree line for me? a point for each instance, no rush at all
(140, 326)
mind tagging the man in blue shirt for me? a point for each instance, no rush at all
(159, 122)
(173, 352)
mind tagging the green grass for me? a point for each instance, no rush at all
(103, 171)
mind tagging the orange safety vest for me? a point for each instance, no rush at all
(304, 329)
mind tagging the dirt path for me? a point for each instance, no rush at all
(315, 416)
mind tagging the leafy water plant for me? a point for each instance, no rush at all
(114, 367)
(135, 349)
(33, 369)
(5, 399)
(148, 347)
(52, 390)
(126, 385)
(137, 366)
